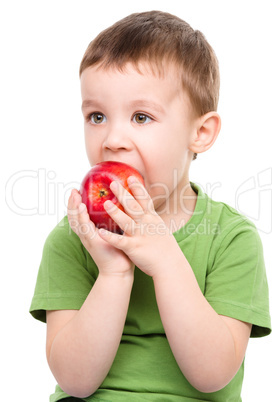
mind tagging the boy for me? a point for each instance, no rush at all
(164, 311)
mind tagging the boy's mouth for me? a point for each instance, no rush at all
(126, 163)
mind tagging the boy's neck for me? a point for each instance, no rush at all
(180, 207)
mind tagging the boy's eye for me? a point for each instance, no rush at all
(97, 118)
(141, 118)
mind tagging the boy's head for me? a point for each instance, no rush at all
(149, 89)
(159, 38)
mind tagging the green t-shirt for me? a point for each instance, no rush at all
(225, 253)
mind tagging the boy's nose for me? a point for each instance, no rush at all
(117, 139)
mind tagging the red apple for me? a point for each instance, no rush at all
(95, 190)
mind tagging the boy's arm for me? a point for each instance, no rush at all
(81, 345)
(208, 348)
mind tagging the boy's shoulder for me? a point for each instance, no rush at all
(234, 232)
(62, 230)
(221, 212)
(62, 239)
(213, 220)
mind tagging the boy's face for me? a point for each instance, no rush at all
(140, 119)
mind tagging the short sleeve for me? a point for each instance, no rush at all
(66, 273)
(236, 283)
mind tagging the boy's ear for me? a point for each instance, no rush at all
(207, 130)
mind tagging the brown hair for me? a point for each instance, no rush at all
(156, 37)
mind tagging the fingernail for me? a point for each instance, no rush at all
(82, 208)
(132, 179)
(108, 204)
(75, 196)
(103, 232)
(113, 185)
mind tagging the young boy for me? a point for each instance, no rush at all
(164, 311)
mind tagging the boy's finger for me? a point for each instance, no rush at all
(73, 202)
(114, 239)
(140, 194)
(86, 227)
(127, 200)
(72, 210)
(120, 218)
(83, 213)
(70, 201)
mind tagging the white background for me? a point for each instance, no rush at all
(42, 44)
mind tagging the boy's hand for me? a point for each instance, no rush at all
(108, 259)
(146, 239)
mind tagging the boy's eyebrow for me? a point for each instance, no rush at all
(146, 103)
(88, 103)
(140, 103)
